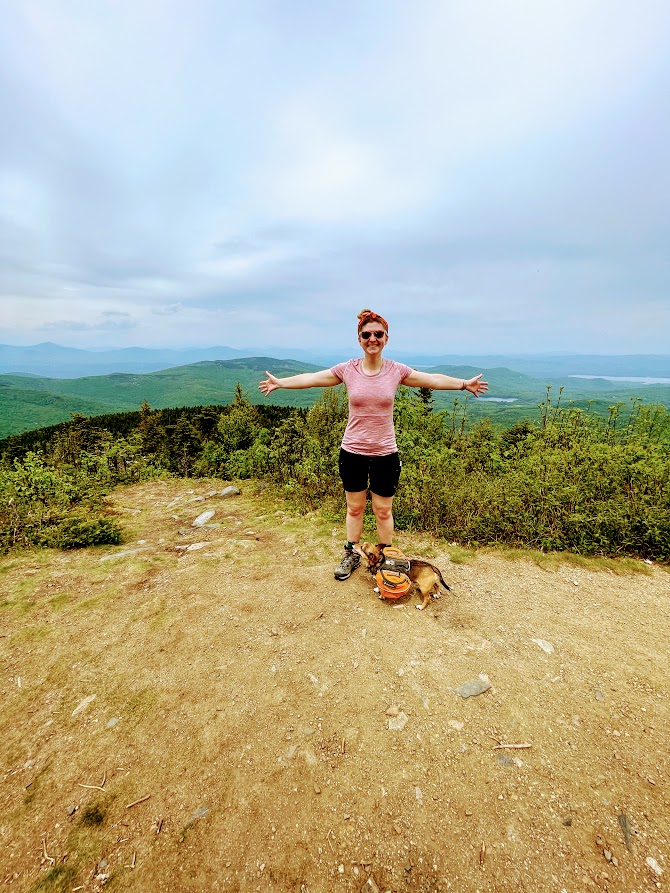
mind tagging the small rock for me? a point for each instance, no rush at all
(340, 868)
(83, 704)
(650, 862)
(229, 491)
(123, 554)
(397, 723)
(393, 710)
(194, 547)
(502, 759)
(545, 646)
(202, 519)
(455, 724)
(112, 722)
(607, 855)
(72, 809)
(473, 687)
(200, 813)
(370, 886)
(599, 696)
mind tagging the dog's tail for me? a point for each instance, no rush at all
(421, 562)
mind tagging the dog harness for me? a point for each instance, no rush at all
(392, 573)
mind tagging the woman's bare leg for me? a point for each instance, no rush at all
(355, 511)
(382, 506)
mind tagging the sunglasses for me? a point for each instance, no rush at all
(379, 334)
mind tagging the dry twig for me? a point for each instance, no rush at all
(95, 787)
(500, 745)
(45, 856)
(135, 802)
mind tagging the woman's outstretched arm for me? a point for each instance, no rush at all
(322, 379)
(438, 382)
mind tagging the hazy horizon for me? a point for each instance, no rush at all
(493, 179)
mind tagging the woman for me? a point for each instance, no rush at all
(369, 454)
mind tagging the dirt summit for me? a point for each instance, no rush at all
(206, 708)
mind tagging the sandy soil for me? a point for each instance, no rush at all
(228, 718)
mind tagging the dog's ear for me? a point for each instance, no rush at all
(365, 549)
(372, 553)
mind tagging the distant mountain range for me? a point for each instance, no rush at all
(55, 361)
(29, 401)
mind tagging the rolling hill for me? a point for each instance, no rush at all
(29, 402)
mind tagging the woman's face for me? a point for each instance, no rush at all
(372, 338)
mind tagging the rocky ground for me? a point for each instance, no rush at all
(228, 717)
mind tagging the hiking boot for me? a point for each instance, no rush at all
(347, 566)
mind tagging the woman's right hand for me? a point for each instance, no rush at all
(268, 385)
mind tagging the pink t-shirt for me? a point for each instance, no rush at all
(370, 429)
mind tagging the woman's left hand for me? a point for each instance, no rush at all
(476, 386)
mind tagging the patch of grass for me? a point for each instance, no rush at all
(619, 566)
(59, 600)
(137, 705)
(32, 633)
(18, 607)
(553, 561)
(94, 813)
(59, 879)
(94, 601)
(459, 555)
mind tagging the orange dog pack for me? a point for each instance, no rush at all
(392, 575)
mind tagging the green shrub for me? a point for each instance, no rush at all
(77, 533)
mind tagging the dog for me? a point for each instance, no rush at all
(425, 576)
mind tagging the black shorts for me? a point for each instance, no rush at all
(378, 473)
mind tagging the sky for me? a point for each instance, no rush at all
(490, 176)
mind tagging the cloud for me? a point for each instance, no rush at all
(227, 169)
(110, 321)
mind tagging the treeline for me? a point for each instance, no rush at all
(569, 479)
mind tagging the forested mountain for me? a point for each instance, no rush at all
(28, 402)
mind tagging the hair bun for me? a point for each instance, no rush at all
(363, 313)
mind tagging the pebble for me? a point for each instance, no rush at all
(229, 491)
(200, 813)
(545, 646)
(473, 687)
(397, 723)
(202, 519)
(83, 704)
(122, 554)
(650, 862)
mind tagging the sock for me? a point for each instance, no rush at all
(349, 546)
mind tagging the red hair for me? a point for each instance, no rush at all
(366, 316)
